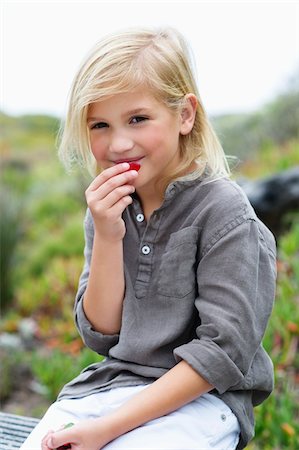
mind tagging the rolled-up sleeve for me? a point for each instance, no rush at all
(236, 279)
(93, 339)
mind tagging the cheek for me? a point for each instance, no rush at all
(97, 148)
(163, 142)
(154, 139)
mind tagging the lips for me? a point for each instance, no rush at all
(129, 160)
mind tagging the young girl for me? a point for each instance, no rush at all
(179, 275)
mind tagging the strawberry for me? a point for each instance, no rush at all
(134, 166)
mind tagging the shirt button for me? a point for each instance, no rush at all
(140, 217)
(145, 250)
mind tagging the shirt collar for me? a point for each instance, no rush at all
(182, 183)
(179, 185)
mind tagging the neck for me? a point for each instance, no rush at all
(151, 199)
(152, 195)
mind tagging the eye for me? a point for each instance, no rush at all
(98, 125)
(138, 119)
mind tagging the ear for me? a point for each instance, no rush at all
(188, 113)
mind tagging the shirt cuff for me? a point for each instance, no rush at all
(100, 343)
(212, 363)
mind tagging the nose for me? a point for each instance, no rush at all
(120, 143)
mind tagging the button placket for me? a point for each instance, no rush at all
(149, 231)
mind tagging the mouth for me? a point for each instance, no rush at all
(129, 160)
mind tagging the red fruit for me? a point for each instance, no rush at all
(134, 166)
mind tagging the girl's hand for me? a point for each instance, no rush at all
(90, 434)
(107, 197)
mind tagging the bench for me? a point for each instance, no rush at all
(14, 430)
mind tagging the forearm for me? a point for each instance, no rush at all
(103, 298)
(177, 387)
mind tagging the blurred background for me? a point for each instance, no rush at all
(247, 64)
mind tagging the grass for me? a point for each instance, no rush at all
(277, 419)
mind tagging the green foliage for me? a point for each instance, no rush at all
(10, 234)
(15, 176)
(242, 135)
(281, 116)
(62, 368)
(7, 364)
(50, 291)
(47, 206)
(277, 419)
(28, 132)
(271, 159)
(66, 243)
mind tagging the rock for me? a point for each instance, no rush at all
(11, 341)
(274, 197)
(28, 328)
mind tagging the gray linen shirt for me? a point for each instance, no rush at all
(200, 283)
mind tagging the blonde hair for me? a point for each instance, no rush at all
(157, 59)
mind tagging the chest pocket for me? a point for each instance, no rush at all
(177, 272)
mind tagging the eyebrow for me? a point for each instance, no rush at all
(132, 112)
(137, 111)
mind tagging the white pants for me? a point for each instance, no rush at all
(204, 424)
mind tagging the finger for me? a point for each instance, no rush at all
(44, 445)
(115, 212)
(111, 216)
(105, 183)
(60, 438)
(107, 195)
(113, 183)
(107, 174)
(96, 203)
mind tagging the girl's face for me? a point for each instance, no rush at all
(136, 127)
